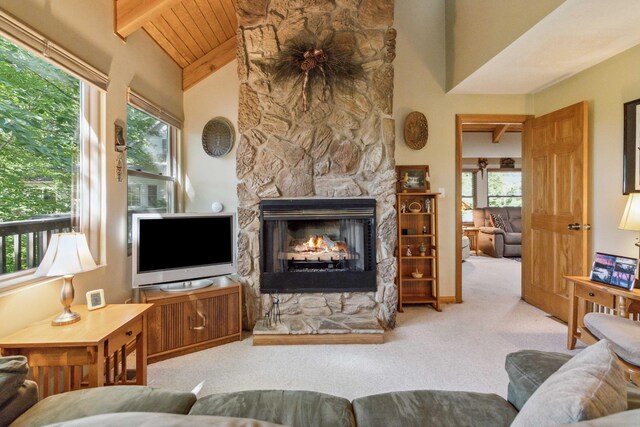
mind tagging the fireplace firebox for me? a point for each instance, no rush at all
(317, 245)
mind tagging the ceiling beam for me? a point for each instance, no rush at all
(212, 61)
(131, 15)
(498, 132)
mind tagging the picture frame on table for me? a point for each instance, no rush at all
(614, 270)
(95, 299)
(412, 179)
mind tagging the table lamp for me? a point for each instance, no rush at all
(67, 255)
(466, 206)
(631, 216)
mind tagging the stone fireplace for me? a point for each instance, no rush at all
(340, 148)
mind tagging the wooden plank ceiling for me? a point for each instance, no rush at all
(199, 35)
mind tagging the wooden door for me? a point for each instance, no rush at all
(555, 239)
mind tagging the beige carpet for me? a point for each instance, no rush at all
(461, 348)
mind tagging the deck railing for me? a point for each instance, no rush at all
(23, 243)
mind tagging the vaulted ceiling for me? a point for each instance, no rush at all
(199, 35)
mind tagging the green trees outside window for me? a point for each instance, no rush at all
(39, 135)
(505, 188)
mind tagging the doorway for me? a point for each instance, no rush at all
(495, 129)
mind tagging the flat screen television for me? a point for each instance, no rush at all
(182, 247)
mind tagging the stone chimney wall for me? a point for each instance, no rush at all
(342, 146)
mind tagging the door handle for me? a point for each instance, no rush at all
(575, 226)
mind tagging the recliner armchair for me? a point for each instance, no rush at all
(495, 241)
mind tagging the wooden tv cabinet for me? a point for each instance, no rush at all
(184, 322)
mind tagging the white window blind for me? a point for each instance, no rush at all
(143, 104)
(29, 38)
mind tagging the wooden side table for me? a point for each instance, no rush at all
(583, 294)
(472, 234)
(89, 353)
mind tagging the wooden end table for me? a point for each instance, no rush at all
(88, 353)
(472, 234)
(583, 294)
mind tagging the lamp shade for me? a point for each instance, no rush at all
(67, 253)
(466, 206)
(631, 216)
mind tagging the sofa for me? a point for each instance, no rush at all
(499, 240)
(588, 389)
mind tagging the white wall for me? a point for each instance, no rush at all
(605, 87)
(86, 29)
(207, 178)
(477, 30)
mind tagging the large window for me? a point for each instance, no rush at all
(39, 155)
(51, 140)
(151, 164)
(468, 196)
(505, 188)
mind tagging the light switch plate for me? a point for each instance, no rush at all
(441, 191)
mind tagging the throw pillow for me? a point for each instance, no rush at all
(497, 221)
(590, 385)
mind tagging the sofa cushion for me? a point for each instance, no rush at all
(623, 333)
(527, 370)
(103, 400)
(288, 407)
(432, 408)
(514, 220)
(513, 238)
(590, 385)
(13, 372)
(145, 419)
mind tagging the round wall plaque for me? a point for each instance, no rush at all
(218, 136)
(416, 130)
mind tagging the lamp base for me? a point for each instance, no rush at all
(66, 318)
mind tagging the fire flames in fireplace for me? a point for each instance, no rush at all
(322, 243)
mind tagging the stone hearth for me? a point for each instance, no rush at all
(343, 146)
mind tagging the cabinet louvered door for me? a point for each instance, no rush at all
(162, 337)
(181, 323)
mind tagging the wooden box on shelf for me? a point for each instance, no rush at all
(184, 322)
(417, 277)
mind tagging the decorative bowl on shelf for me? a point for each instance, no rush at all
(416, 275)
(415, 207)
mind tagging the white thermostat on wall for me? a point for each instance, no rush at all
(217, 207)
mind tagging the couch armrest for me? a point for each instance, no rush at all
(527, 370)
(492, 230)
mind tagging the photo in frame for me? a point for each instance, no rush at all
(95, 299)
(631, 151)
(614, 270)
(412, 179)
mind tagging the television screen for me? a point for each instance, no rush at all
(170, 247)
